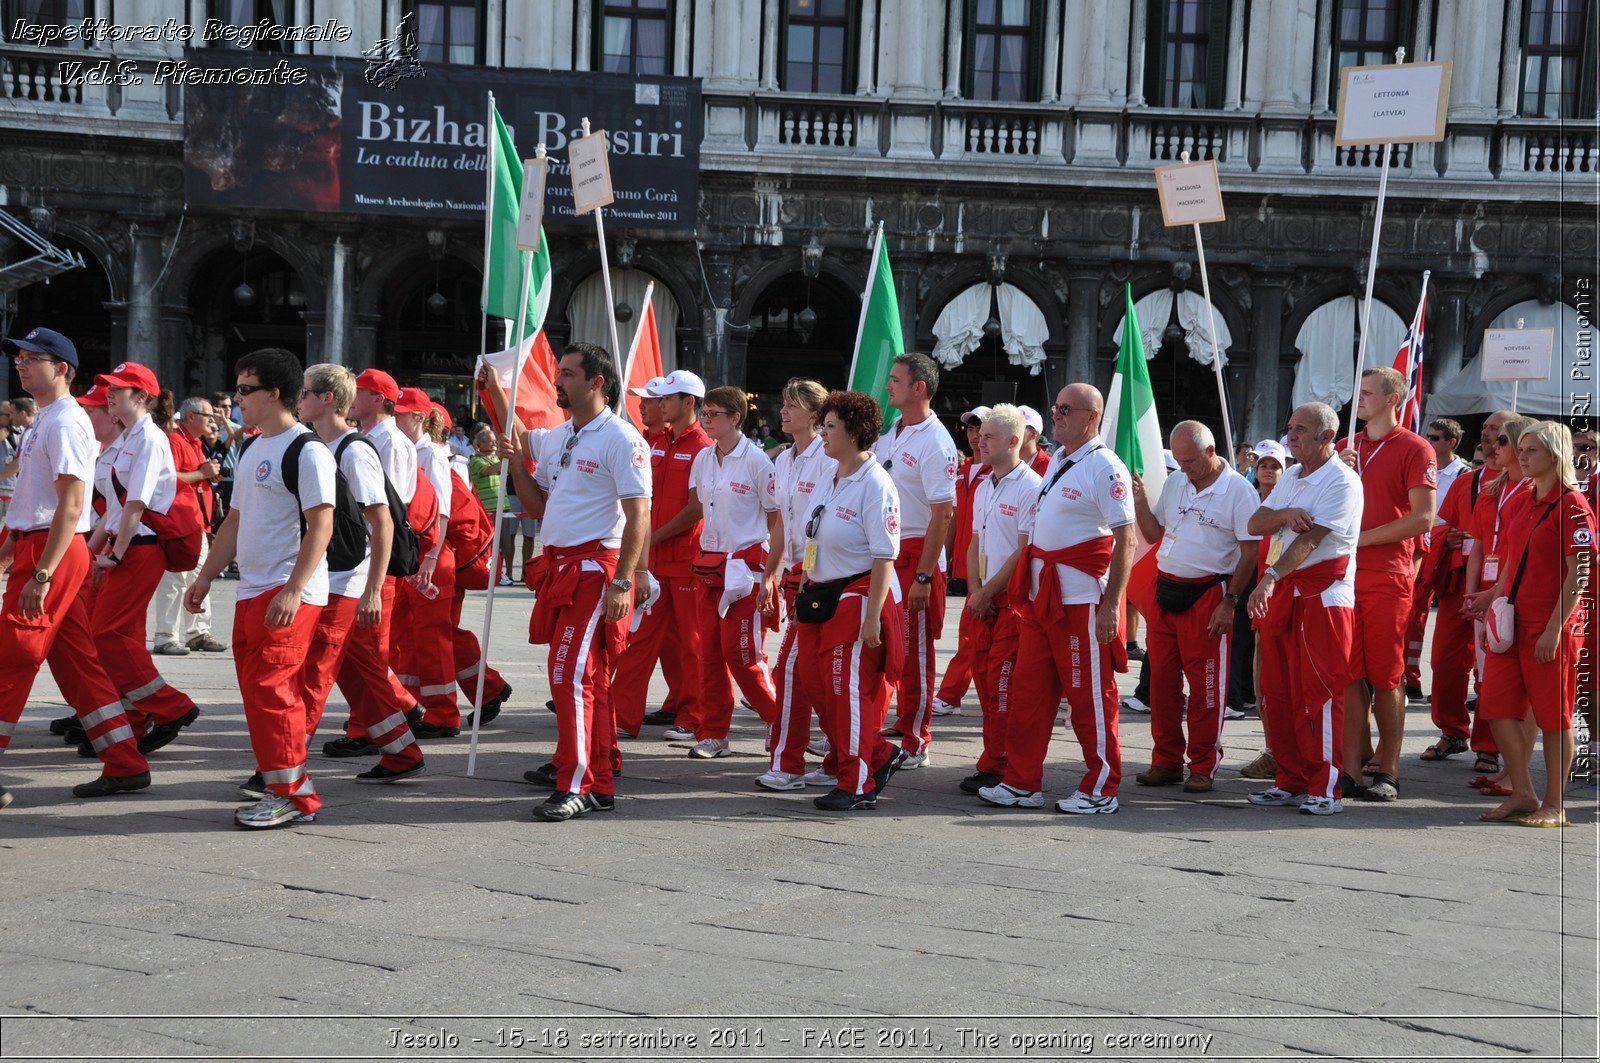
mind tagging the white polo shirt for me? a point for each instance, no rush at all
(1001, 513)
(434, 461)
(269, 517)
(859, 523)
(1203, 529)
(609, 461)
(145, 468)
(102, 471)
(922, 461)
(1333, 497)
(1088, 501)
(796, 477)
(737, 492)
(398, 455)
(60, 443)
(363, 472)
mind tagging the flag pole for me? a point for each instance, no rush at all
(633, 350)
(1372, 269)
(1211, 324)
(605, 272)
(510, 426)
(866, 303)
(488, 216)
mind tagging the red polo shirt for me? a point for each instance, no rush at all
(1548, 530)
(1389, 468)
(966, 486)
(670, 460)
(188, 455)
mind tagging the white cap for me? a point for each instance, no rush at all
(1271, 448)
(1172, 462)
(977, 413)
(1031, 418)
(650, 389)
(679, 382)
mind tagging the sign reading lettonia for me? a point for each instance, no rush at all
(336, 143)
(1398, 103)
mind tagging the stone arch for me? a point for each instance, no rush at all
(790, 262)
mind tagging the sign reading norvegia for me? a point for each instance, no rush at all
(1518, 353)
(336, 143)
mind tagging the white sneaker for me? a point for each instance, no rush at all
(781, 780)
(1010, 797)
(677, 734)
(941, 709)
(505, 581)
(1321, 806)
(911, 761)
(818, 777)
(709, 748)
(170, 649)
(1231, 713)
(1081, 804)
(819, 747)
(1133, 704)
(1276, 796)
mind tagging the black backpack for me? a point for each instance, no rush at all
(405, 552)
(348, 547)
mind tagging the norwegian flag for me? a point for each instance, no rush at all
(1408, 362)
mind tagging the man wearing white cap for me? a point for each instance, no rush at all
(667, 632)
(958, 673)
(1033, 455)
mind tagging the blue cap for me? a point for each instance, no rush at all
(47, 341)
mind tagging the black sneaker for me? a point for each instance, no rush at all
(1414, 693)
(253, 788)
(1136, 652)
(73, 735)
(492, 708)
(603, 802)
(163, 733)
(978, 781)
(86, 749)
(881, 777)
(380, 774)
(837, 800)
(348, 747)
(107, 785)
(62, 725)
(545, 775)
(661, 718)
(433, 730)
(561, 806)
(551, 705)
(413, 715)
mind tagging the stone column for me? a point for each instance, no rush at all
(1234, 94)
(1083, 322)
(1136, 53)
(1049, 86)
(1322, 61)
(144, 301)
(1424, 43)
(955, 27)
(1092, 88)
(1282, 26)
(1511, 62)
(869, 48)
(769, 44)
(1264, 416)
(909, 51)
(681, 48)
(584, 34)
(1475, 38)
(337, 313)
(1448, 342)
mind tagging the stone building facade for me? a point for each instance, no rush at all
(1001, 142)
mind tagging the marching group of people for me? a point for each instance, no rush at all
(356, 540)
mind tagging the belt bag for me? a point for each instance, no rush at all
(1500, 622)
(817, 602)
(1178, 596)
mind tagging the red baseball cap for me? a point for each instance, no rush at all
(131, 375)
(411, 400)
(95, 396)
(442, 412)
(379, 381)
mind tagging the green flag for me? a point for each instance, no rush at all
(503, 263)
(878, 340)
(1130, 427)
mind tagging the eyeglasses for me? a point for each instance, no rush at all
(712, 411)
(1504, 440)
(250, 389)
(32, 359)
(566, 451)
(1434, 438)
(1583, 448)
(815, 523)
(1068, 411)
(312, 391)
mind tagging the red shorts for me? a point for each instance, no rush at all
(1378, 643)
(1514, 680)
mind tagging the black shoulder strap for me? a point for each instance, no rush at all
(1477, 483)
(291, 462)
(1065, 465)
(338, 453)
(1522, 565)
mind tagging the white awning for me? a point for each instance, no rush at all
(959, 328)
(586, 313)
(1560, 396)
(1327, 346)
(1155, 310)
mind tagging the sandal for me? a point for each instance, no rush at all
(1383, 787)
(1505, 815)
(1527, 820)
(1495, 789)
(1477, 782)
(1445, 748)
(1348, 787)
(1487, 763)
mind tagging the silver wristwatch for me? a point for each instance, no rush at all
(622, 583)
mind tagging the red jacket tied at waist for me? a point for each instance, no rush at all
(554, 576)
(1301, 583)
(710, 566)
(1092, 557)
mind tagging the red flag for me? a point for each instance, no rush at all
(644, 358)
(536, 390)
(1408, 362)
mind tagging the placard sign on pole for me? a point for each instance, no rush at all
(1191, 194)
(591, 171)
(1402, 103)
(530, 216)
(1518, 353)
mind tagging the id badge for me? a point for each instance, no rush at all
(1466, 546)
(1168, 540)
(1491, 570)
(810, 562)
(983, 567)
(1275, 551)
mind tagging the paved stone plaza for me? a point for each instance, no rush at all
(735, 924)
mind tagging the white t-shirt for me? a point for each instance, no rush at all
(609, 461)
(59, 443)
(363, 472)
(1002, 513)
(434, 461)
(796, 477)
(145, 468)
(1089, 501)
(102, 471)
(922, 461)
(269, 517)
(1448, 474)
(860, 522)
(1203, 529)
(737, 493)
(398, 455)
(1333, 497)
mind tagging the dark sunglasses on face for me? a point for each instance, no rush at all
(250, 389)
(1435, 438)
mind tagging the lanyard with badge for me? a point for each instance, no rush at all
(1275, 551)
(814, 527)
(1491, 563)
(989, 511)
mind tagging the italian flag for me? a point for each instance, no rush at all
(878, 338)
(1131, 430)
(644, 358)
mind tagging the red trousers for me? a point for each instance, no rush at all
(668, 633)
(1180, 646)
(1516, 681)
(424, 643)
(848, 683)
(1452, 667)
(377, 711)
(961, 672)
(730, 652)
(1303, 676)
(61, 636)
(791, 732)
(468, 657)
(328, 644)
(995, 641)
(1416, 632)
(913, 703)
(1064, 657)
(118, 622)
(582, 649)
(270, 662)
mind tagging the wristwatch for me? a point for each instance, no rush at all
(41, 575)
(1234, 598)
(923, 578)
(622, 583)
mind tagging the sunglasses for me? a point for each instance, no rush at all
(566, 451)
(1583, 448)
(1068, 411)
(1503, 440)
(815, 523)
(312, 391)
(250, 389)
(1433, 438)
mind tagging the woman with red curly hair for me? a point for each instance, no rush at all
(848, 608)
